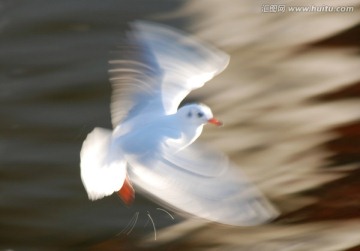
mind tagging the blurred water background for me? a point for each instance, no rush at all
(289, 100)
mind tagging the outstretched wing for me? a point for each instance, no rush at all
(156, 68)
(202, 182)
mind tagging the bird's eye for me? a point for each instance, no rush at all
(200, 114)
(189, 114)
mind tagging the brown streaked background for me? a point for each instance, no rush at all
(289, 100)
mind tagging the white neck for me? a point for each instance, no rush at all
(190, 133)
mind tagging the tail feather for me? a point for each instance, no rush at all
(103, 171)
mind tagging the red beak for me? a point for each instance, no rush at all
(214, 121)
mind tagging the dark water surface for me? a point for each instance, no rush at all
(54, 89)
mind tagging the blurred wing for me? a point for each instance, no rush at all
(136, 81)
(156, 68)
(202, 182)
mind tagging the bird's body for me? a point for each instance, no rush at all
(152, 144)
(177, 129)
(160, 129)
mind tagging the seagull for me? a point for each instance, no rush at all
(152, 148)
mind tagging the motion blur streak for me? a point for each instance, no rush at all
(288, 97)
(274, 84)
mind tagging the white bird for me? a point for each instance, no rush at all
(152, 144)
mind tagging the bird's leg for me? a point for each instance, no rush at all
(127, 192)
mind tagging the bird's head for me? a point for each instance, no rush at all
(197, 114)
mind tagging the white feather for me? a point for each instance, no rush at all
(103, 171)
